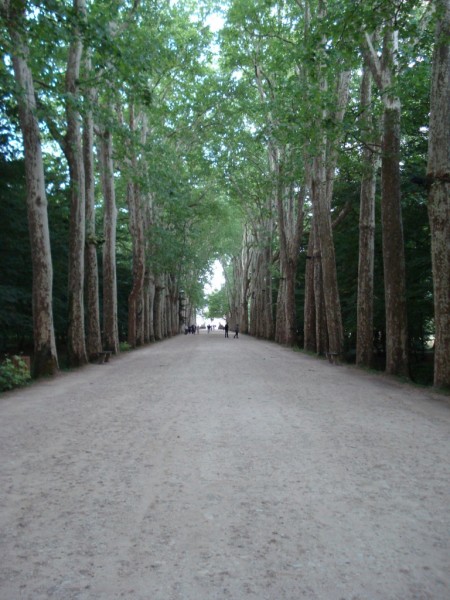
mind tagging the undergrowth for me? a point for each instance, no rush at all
(13, 373)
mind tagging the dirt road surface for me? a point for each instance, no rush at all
(205, 468)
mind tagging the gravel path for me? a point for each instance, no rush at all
(202, 468)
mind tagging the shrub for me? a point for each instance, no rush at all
(14, 373)
(124, 346)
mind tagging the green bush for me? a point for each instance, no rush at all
(13, 373)
(124, 346)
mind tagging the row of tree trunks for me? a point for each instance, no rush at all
(327, 313)
(261, 303)
(84, 339)
(288, 204)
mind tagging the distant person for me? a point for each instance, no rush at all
(209, 328)
(226, 329)
(236, 331)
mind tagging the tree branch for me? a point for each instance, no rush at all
(341, 216)
(372, 60)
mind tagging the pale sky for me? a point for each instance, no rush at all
(217, 279)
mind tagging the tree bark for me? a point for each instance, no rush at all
(309, 314)
(438, 174)
(364, 328)
(323, 174)
(289, 207)
(158, 309)
(73, 149)
(245, 262)
(321, 204)
(393, 246)
(319, 302)
(136, 227)
(93, 329)
(136, 296)
(383, 72)
(45, 356)
(149, 298)
(290, 228)
(110, 324)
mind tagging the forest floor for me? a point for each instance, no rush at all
(204, 468)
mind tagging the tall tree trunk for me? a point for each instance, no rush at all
(136, 227)
(233, 295)
(323, 174)
(136, 296)
(110, 324)
(280, 314)
(383, 71)
(158, 310)
(150, 282)
(393, 246)
(319, 308)
(322, 208)
(364, 329)
(45, 356)
(239, 294)
(73, 149)
(289, 223)
(93, 337)
(267, 292)
(260, 279)
(309, 313)
(245, 261)
(438, 172)
(290, 228)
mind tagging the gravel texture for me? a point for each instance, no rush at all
(205, 468)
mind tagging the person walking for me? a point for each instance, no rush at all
(236, 331)
(226, 329)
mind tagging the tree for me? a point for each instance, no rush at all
(74, 153)
(93, 330)
(45, 355)
(384, 71)
(110, 322)
(364, 328)
(328, 122)
(438, 176)
(218, 305)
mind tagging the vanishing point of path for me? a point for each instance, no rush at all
(201, 468)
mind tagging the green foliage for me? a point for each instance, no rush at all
(13, 373)
(218, 305)
(16, 326)
(15, 258)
